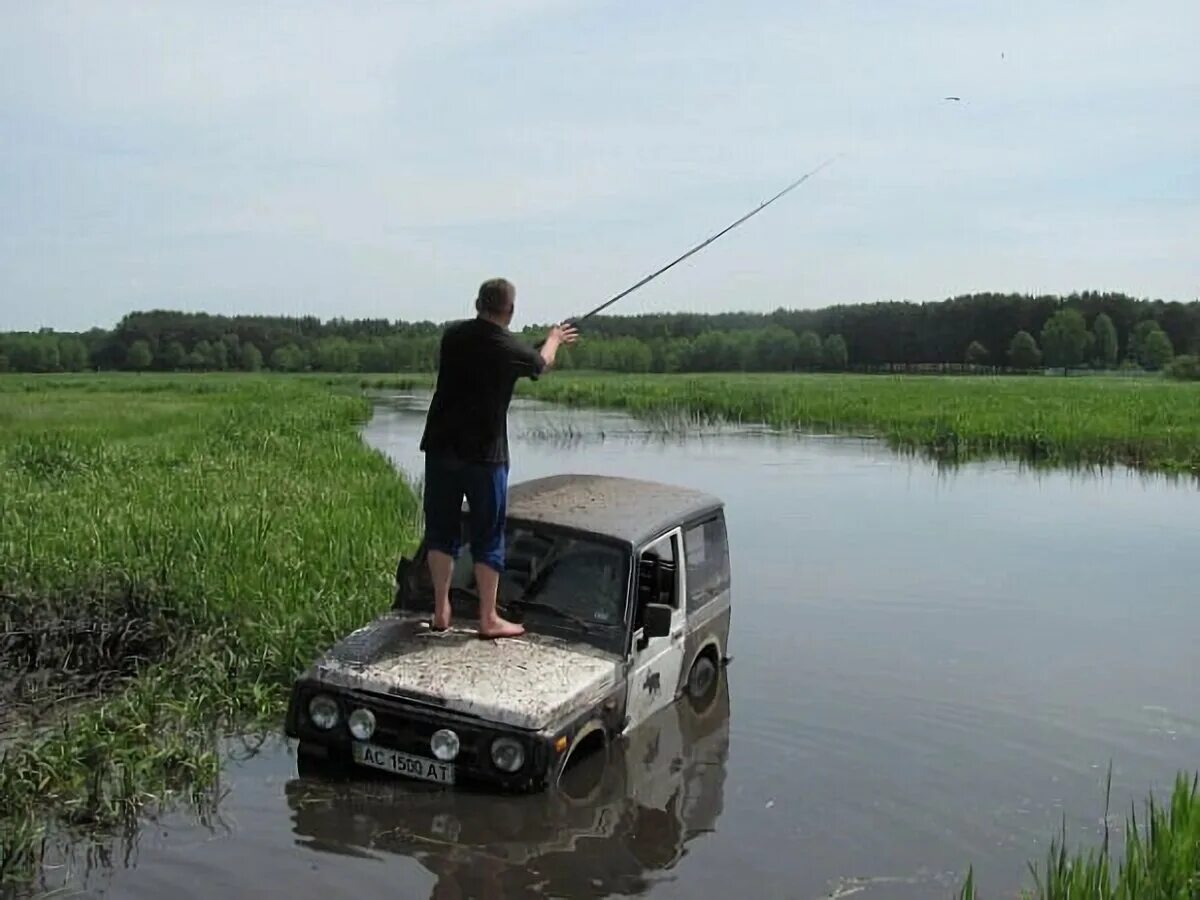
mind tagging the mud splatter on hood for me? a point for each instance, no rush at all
(526, 682)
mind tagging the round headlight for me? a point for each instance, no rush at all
(362, 724)
(323, 711)
(507, 754)
(444, 744)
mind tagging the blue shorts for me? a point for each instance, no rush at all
(485, 485)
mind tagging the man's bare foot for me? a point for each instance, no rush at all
(498, 628)
(441, 617)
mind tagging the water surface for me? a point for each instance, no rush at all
(931, 668)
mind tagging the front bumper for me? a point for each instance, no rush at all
(408, 727)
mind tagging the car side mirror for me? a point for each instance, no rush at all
(656, 620)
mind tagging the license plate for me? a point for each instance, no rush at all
(403, 763)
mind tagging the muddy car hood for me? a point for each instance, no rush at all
(527, 682)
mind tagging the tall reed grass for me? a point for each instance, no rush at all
(1148, 423)
(1160, 858)
(245, 512)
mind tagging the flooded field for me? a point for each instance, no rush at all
(931, 668)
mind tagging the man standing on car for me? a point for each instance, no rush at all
(466, 446)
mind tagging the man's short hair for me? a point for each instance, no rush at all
(496, 296)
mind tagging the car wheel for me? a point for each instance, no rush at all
(585, 769)
(702, 680)
(581, 782)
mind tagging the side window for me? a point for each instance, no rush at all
(706, 549)
(663, 549)
(658, 580)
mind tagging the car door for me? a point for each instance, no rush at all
(657, 661)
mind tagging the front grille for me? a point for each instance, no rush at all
(407, 726)
(405, 731)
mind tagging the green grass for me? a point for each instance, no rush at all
(234, 525)
(1150, 423)
(1161, 858)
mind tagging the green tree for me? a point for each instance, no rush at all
(977, 354)
(809, 350)
(713, 351)
(1185, 368)
(1064, 339)
(219, 356)
(72, 354)
(139, 356)
(251, 359)
(3, 363)
(674, 352)
(628, 355)
(774, 349)
(1157, 351)
(1023, 352)
(1137, 337)
(202, 356)
(287, 358)
(45, 355)
(375, 356)
(1105, 333)
(835, 355)
(174, 357)
(336, 354)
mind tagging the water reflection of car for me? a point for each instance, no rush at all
(612, 823)
(623, 587)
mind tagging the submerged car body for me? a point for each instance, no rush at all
(619, 820)
(623, 587)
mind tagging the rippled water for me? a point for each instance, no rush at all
(931, 668)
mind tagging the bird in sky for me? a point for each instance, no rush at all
(952, 98)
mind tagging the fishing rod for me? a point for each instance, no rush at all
(629, 290)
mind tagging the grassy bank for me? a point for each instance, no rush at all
(1160, 858)
(172, 551)
(1149, 423)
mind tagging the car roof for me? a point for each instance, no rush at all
(629, 509)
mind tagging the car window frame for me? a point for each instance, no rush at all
(675, 532)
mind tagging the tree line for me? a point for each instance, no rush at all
(981, 331)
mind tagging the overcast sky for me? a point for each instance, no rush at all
(381, 159)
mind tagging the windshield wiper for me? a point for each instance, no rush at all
(539, 606)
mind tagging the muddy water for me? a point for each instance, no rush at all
(930, 669)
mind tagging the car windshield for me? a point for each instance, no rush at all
(557, 578)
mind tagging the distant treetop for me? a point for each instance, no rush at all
(1086, 329)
